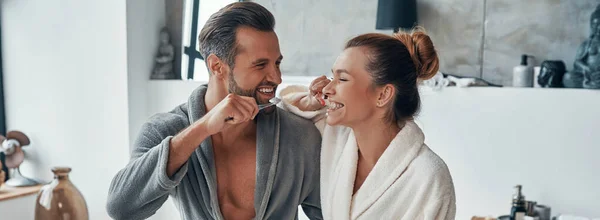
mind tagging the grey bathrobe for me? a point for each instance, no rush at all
(287, 169)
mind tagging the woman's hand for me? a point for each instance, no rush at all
(315, 100)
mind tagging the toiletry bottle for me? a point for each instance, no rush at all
(523, 73)
(518, 210)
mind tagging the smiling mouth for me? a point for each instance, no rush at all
(332, 106)
(266, 90)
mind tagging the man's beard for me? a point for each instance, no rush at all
(235, 89)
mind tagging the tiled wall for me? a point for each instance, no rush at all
(482, 38)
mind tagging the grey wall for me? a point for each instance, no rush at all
(481, 38)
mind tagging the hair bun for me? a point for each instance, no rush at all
(421, 51)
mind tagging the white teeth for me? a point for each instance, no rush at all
(334, 105)
(266, 90)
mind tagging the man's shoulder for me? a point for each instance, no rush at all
(173, 120)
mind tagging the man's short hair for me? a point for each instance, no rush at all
(218, 36)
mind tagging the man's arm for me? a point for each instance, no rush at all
(139, 189)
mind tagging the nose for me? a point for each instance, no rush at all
(274, 75)
(328, 89)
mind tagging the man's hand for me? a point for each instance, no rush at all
(232, 110)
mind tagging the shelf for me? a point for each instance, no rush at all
(9, 192)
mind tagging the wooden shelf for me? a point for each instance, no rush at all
(9, 192)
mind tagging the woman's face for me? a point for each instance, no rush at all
(351, 92)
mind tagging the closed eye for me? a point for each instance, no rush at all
(261, 65)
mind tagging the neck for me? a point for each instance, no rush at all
(373, 137)
(215, 93)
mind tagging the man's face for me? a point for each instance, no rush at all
(256, 70)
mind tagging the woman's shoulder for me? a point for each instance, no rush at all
(430, 160)
(433, 168)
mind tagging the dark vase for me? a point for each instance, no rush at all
(60, 199)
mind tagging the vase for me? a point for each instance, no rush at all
(60, 199)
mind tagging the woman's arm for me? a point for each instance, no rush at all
(294, 100)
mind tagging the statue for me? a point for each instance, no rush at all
(163, 67)
(551, 74)
(586, 68)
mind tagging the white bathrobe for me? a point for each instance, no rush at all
(409, 181)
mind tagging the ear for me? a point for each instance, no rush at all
(386, 95)
(216, 66)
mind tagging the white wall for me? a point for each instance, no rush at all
(145, 18)
(65, 75)
(495, 138)
(14, 208)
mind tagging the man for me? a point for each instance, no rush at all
(217, 155)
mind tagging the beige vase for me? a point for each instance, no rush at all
(60, 199)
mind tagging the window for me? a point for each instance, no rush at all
(195, 15)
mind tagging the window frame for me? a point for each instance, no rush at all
(2, 109)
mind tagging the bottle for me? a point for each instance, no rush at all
(518, 209)
(523, 73)
(60, 199)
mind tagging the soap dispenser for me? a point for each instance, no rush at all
(518, 209)
(523, 73)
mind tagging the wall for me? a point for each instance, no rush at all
(495, 138)
(144, 22)
(480, 38)
(65, 75)
(13, 208)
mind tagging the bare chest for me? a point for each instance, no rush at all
(236, 179)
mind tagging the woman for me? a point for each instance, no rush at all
(374, 163)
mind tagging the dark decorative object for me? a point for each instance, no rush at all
(586, 69)
(12, 146)
(396, 14)
(60, 199)
(163, 68)
(551, 74)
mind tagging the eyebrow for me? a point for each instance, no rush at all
(338, 71)
(264, 60)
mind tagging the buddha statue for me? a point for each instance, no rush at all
(551, 74)
(586, 68)
(163, 68)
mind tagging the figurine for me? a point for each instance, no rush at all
(551, 74)
(586, 68)
(163, 68)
